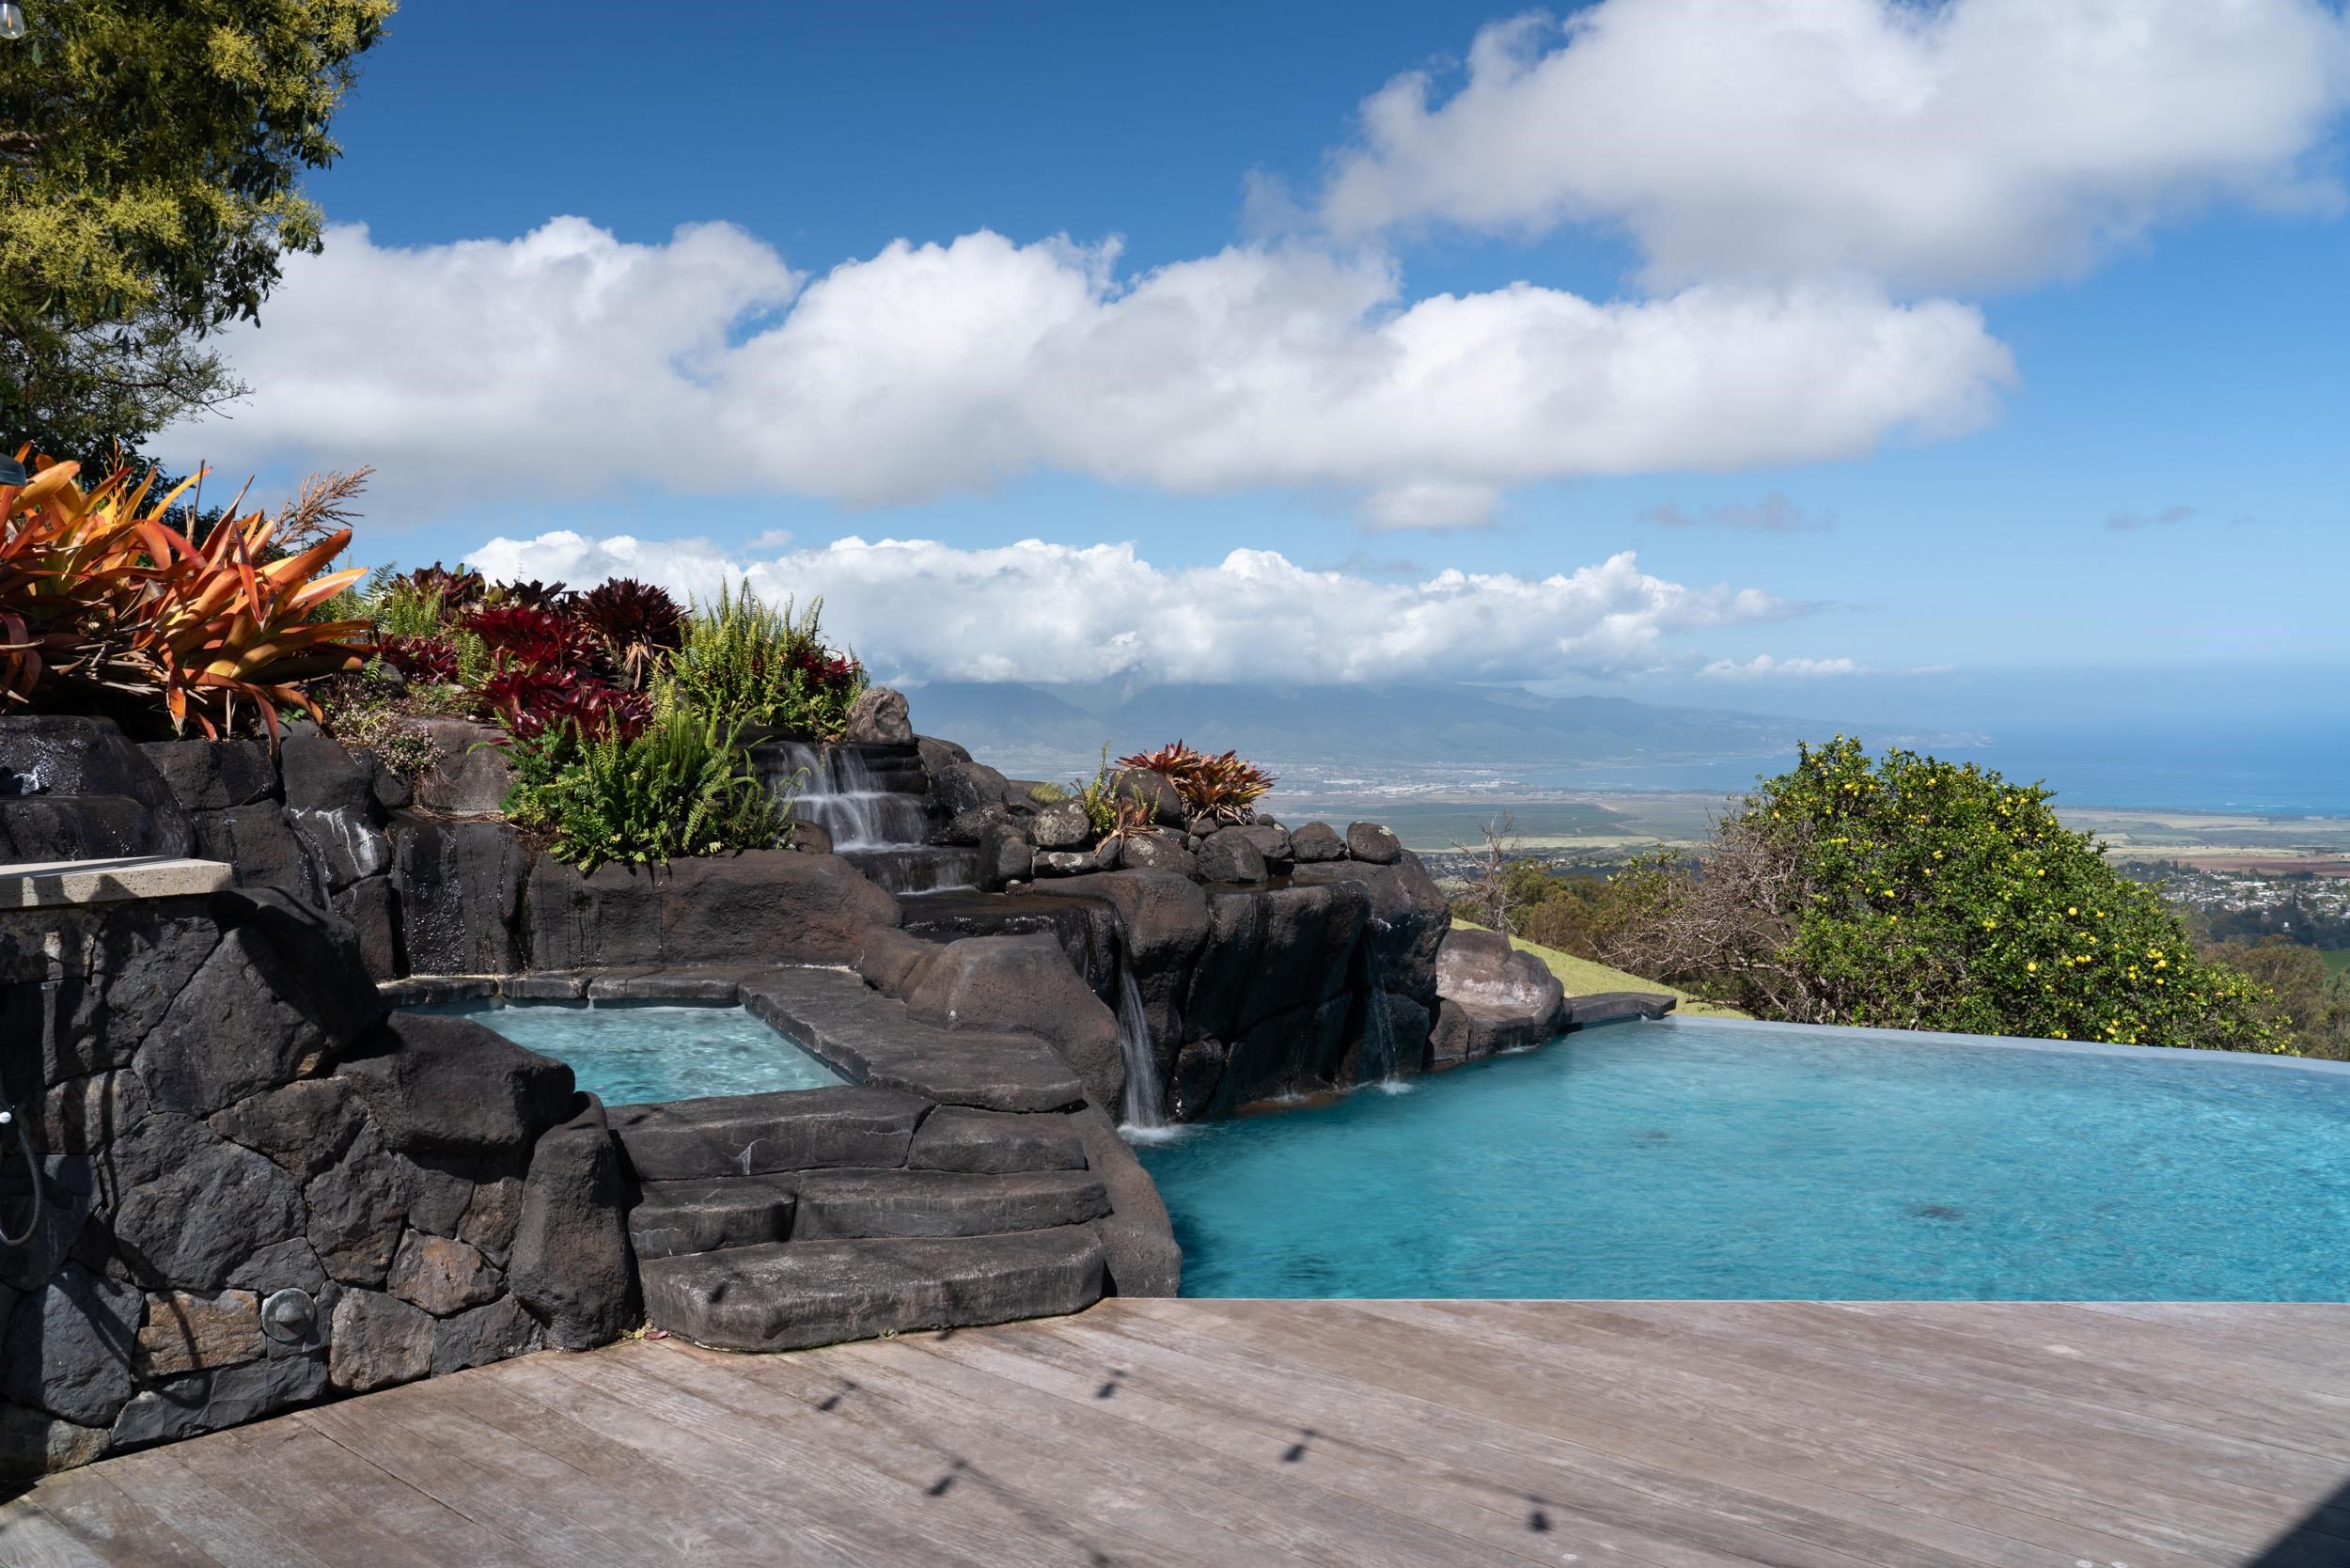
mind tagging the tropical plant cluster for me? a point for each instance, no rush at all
(629, 715)
(1222, 787)
(107, 607)
(1911, 893)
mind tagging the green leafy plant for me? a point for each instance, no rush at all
(1911, 893)
(364, 714)
(745, 663)
(684, 787)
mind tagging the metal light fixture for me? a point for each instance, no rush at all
(11, 20)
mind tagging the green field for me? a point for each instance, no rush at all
(1583, 978)
(2336, 960)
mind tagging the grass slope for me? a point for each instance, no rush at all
(1583, 978)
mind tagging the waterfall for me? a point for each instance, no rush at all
(843, 797)
(1381, 1057)
(1146, 1098)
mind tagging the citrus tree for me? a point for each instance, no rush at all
(1911, 893)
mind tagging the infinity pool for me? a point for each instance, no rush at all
(1705, 1158)
(638, 1053)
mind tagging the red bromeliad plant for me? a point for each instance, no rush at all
(1223, 787)
(103, 601)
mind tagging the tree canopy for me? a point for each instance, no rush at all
(151, 152)
(1912, 893)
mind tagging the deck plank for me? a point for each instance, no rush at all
(1343, 1434)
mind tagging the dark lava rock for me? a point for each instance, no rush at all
(879, 714)
(126, 963)
(449, 1086)
(1316, 842)
(1373, 844)
(378, 1340)
(1005, 858)
(218, 1398)
(1409, 916)
(358, 1211)
(1024, 983)
(441, 1275)
(894, 962)
(969, 828)
(484, 1334)
(473, 775)
(961, 786)
(1069, 862)
(766, 906)
(89, 827)
(1198, 1068)
(1153, 790)
(938, 756)
(304, 1126)
(69, 1192)
(1157, 852)
(64, 754)
(795, 1295)
(207, 775)
(320, 953)
(342, 846)
(1482, 968)
(461, 890)
(68, 1349)
(570, 1264)
(193, 1206)
(1227, 856)
(1140, 1252)
(83, 1115)
(259, 843)
(321, 776)
(233, 1031)
(1271, 841)
(491, 1216)
(811, 837)
(33, 1443)
(749, 1135)
(994, 1142)
(880, 1043)
(1062, 825)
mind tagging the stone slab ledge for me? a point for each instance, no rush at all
(65, 884)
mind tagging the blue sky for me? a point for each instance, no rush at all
(2152, 335)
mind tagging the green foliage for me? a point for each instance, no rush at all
(1566, 914)
(684, 787)
(362, 713)
(148, 157)
(2308, 998)
(747, 664)
(1912, 893)
(1098, 796)
(1225, 788)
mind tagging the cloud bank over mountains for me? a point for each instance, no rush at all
(1044, 612)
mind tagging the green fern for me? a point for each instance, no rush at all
(684, 787)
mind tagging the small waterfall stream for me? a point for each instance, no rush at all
(842, 796)
(1146, 1097)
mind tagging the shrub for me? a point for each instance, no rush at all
(1222, 787)
(361, 712)
(106, 607)
(637, 624)
(745, 664)
(1912, 893)
(682, 787)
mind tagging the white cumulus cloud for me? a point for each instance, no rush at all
(1965, 144)
(1762, 666)
(570, 362)
(1032, 611)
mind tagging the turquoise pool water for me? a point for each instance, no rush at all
(1693, 1159)
(637, 1053)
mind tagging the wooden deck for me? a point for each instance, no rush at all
(1354, 1434)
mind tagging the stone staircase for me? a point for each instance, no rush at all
(781, 1221)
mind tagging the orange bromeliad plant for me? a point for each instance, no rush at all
(101, 596)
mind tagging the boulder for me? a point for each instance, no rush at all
(811, 837)
(460, 886)
(1409, 916)
(961, 786)
(491, 1216)
(1138, 1249)
(1156, 852)
(448, 1086)
(1269, 955)
(1024, 983)
(1162, 926)
(81, 1116)
(1373, 844)
(64, 754)
(68, 1349)
(320, 953)
(1481, 967)
(1153, 790)
(1062, 825)
(1230, 856)
(1005, 858)
(765, 907)
(938, 756)
(879, 714)
(893, 962)
(89, 827)
(968, 829)
(571, 1263)
(474, 774)
(341, 846)
(1316, 842)
(378, 1340)
(320, 777)
(1271, 841)
(1074, 862)
(125, 965)
(210, 775)
(484, 1334)
(1199, 1069)
(262, 846)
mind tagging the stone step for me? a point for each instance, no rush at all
(754, 1134)
(674, 1218)
(916, 869)
(875, 1041)
(791, 1296)
(953, 1138)
(841, 1205)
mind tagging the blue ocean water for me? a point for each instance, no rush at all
(1695, 1159)
(637, 1053)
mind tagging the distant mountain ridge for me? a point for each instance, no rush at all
(1023, 726)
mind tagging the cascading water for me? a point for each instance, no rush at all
(1381, 1058)
(1146, 1097)
(878, 823)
